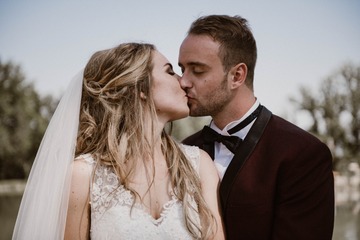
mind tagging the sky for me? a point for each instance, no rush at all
(300, 43)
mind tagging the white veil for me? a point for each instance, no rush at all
(43, 209)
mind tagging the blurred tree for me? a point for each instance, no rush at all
(335, 113)
(24, 115)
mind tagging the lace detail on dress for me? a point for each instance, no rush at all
(193, 154)
(114, 216)
(107, 192)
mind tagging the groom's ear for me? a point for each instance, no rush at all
(238, 75)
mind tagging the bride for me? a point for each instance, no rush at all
(106, 168)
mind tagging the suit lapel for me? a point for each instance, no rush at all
(242, 153)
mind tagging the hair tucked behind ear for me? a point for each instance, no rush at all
(114, 119)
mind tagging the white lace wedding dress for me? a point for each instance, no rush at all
(113, 218)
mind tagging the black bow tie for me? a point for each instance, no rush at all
(231, 142)
(210, 136)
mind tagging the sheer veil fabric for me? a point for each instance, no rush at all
(43, 209)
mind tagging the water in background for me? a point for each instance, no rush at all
(347, 217)
(347, 197)
(10, 198)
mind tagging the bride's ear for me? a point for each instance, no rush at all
(142, 96)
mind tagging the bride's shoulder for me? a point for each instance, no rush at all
(85, 158)
(198, 157)
(202, 160)
(195, 152)
(82, 168)
(190, 151)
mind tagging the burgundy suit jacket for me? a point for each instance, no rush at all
(279, 185)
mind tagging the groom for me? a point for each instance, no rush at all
(277, 180)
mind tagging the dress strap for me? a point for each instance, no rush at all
(193, 155)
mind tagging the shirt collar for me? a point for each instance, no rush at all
(234, 123)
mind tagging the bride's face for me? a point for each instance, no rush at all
(169, 99)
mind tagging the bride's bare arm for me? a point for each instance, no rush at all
(210, 184)
(78, 215)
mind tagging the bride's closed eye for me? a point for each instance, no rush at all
(170, 70)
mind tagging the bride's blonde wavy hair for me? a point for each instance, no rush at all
(112, 126)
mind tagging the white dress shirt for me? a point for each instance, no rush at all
(222, 155)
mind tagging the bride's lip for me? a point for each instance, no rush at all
(189, 97)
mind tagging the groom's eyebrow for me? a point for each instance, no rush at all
(195, 63)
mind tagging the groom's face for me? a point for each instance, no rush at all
(204, 78)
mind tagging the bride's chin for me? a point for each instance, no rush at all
(181, 115)
(186, 111)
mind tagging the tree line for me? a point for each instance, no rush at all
(334, 111)
(24, 115)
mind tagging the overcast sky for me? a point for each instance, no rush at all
(299, 42)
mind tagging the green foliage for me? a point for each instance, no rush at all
(335, 113)
(24, 115)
